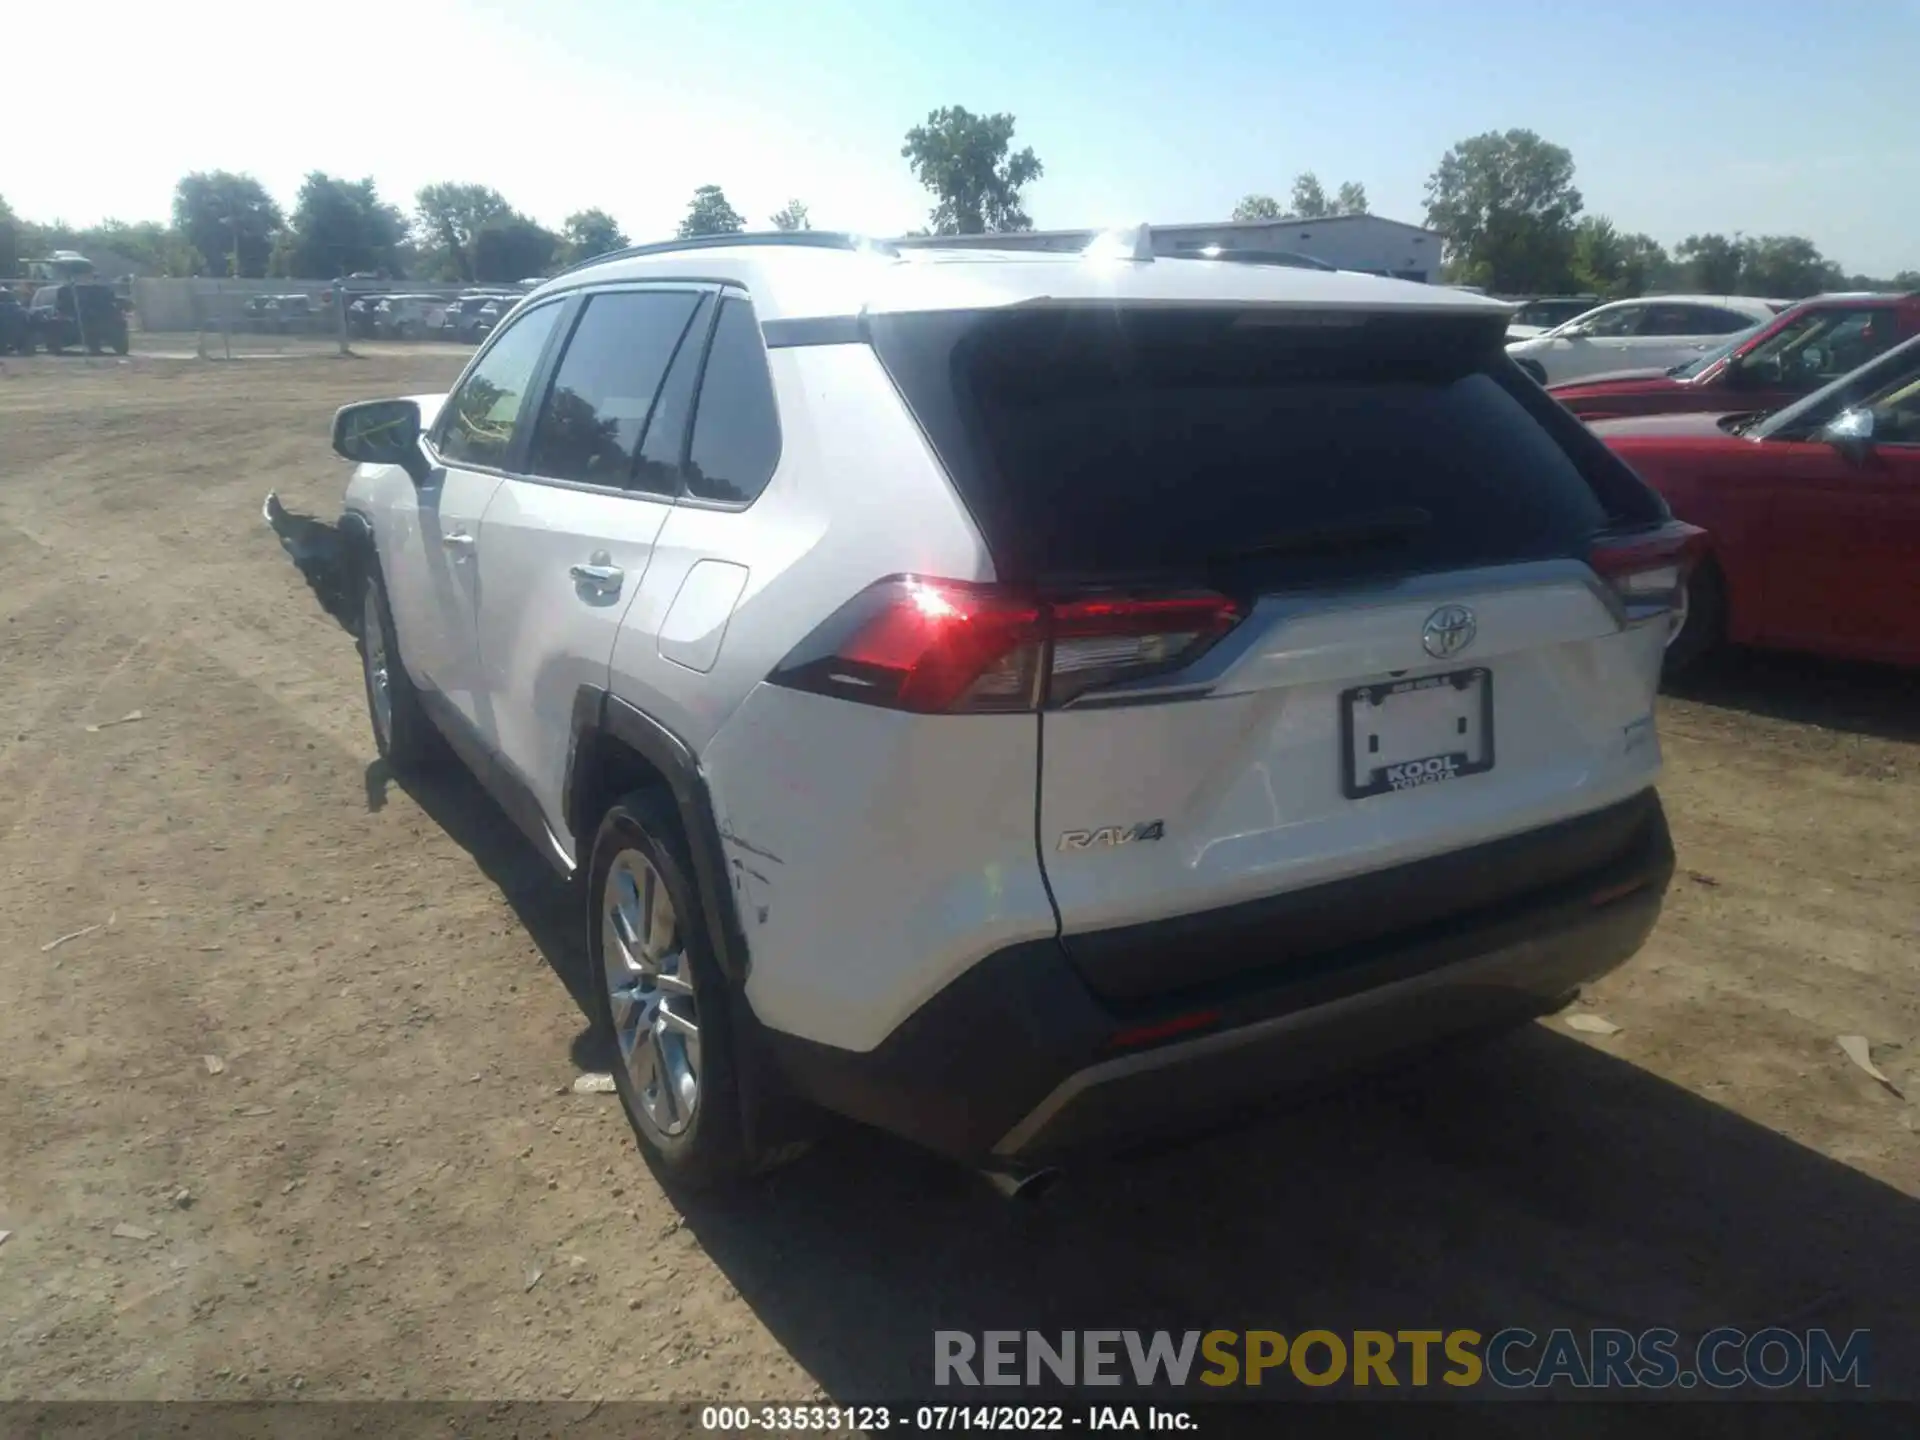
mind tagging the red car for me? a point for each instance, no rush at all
(1812, 515)
(1813, 343)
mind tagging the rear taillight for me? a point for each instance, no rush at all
(945, 646)
(1649, 570)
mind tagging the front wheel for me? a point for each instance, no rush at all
(661, 998)
(1700, 622)
(402, 732)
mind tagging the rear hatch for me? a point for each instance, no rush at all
(1318, 595)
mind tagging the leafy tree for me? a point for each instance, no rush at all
(338, 227)
(448, 216)
(1905, 280)
(1258, 207)
(1787, 266)
(1309, 198)
(792, 216)
(1506, 203)
(230, 219)
(9, 240)
(1712, 263)
(512, 247)
(146, 243)
(1351, 199)
(964, 160)
(588, 233)
(709, 214)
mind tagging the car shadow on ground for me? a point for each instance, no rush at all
(1533, 1181)
(1877, 700)
(315, 548)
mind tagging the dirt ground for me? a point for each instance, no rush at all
(387, 1189)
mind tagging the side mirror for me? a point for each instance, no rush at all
(382, 432)
(1851, 433)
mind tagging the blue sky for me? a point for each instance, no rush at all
(1755, 115)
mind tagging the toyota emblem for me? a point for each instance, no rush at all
(1448, 631)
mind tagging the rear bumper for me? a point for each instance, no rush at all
(1018, 1060)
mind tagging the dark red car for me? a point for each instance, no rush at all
(1810, 345)
(1812, 515)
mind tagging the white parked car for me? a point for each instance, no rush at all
(1021, 700)
(1651, 333)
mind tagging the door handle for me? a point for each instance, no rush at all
(598, 574)
(458, 540)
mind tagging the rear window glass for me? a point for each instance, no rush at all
(1109, 443)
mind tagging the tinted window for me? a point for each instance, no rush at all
(595, 413)
(1621, 320)
(1092, 444)
(736, 427)
(666, 443)
(1694, 320)
(481, 415)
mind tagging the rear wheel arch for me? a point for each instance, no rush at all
(615, 749)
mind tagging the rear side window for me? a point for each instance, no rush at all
(596, 411)
(1130, 443)
(736, 427)
(482, 413)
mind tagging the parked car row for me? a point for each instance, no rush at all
(1795, 445)
(466, 318)
(74, 315)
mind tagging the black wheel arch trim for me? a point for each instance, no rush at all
(598, 715)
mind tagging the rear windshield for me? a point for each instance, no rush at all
(1101, 443)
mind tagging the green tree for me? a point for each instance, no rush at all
(1258, 207)
(9, 241)
(1787, 266)
(1309, 198)
(153, 247)
(792, 216)
(1351, 199)
(1506, 204)
(512, 247)
(229, 219)
(587, 233)
(1712, 263)
(965, 160)
(708, 213)
(338, 227)
(446, 219)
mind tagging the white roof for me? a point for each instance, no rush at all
(1745, 304)
(792, 282)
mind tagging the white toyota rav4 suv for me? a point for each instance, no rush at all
(1021, 700)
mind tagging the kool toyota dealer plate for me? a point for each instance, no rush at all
(1405, 734)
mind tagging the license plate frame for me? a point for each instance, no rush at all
(1449, 765)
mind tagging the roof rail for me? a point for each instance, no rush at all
(802, 239)
(1128, 242)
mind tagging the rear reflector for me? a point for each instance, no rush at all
(1648, 570)
(1152, 1034)
(945, 646)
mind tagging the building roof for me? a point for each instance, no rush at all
(830, 277)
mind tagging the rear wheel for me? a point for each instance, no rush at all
(1700, 623)
(661, 998)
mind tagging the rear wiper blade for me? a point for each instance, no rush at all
(1362, 532)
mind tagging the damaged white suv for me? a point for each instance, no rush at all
(1020, 699)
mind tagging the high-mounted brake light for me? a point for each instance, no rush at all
(943, 646)
(1649, 570)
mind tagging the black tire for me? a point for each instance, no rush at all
(121, 345)
(711, 1149)
(1705, 628)
(406, 740)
